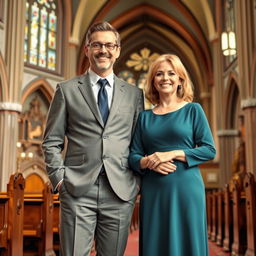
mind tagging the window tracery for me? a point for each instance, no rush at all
(41, 31)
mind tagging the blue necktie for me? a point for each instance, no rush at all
(103, 99)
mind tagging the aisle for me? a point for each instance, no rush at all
(132, 247)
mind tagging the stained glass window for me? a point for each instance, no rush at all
(127, 76)
(142, 60)
(40, 48)
(136, 68)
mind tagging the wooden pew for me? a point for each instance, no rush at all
(209, 212)
(220, 214)
(239, 221)
(4, 202)
(250, 190)
(11, 226)
(38, 223)
(214, 216)
(228, 219)
(232, 216)
(48, 220)
(33, 224)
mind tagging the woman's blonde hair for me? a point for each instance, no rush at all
(184, 90)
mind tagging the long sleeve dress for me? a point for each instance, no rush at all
(172, 207)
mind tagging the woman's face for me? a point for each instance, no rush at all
(166, 80)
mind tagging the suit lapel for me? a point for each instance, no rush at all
(86, 90)
(117, 98)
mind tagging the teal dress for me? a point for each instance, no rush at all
(172, 207)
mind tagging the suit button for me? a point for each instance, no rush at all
(105, 137)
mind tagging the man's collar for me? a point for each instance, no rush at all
(95, 77)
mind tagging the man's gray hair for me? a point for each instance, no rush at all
(102, 26)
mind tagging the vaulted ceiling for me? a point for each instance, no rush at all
(182, 27)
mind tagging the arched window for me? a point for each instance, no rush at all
(41, 34)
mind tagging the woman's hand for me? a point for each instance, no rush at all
(144, 162)
(161, 157)
(165, 168)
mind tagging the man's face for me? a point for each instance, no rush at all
(102, 52)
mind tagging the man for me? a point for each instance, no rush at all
(97, 189)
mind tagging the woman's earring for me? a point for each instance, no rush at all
(180, 91)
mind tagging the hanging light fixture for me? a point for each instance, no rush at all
(228, 43)
(228, 37)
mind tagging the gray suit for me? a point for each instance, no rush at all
(74, 114)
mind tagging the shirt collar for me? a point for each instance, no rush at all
(94, 78)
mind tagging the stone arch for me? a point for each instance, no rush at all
(36, 98)
(34, 166)
(201, 51)
(233, 102)
(212, 33)
(129, 16)
(197, 56)
(84, 15)
(39, 84)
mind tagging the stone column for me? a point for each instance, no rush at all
(15, 27)
(246, 44)
(218, 83)
(249, 107)
(207, 104)
(9, 134)
(71, 67)
(10, 108)
(246, 47)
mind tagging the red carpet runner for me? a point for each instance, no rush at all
(132, 247)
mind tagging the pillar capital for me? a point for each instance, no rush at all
(10, 106)
(248, 103)
(227, 133)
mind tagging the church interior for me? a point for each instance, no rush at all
(42, 44)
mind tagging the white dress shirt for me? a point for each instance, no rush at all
(94, 78)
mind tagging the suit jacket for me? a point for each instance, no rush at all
(74, 114)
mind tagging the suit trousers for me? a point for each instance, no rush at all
(101, 215)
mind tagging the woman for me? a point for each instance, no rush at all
(168, 144)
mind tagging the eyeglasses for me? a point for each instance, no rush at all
(98, 46)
